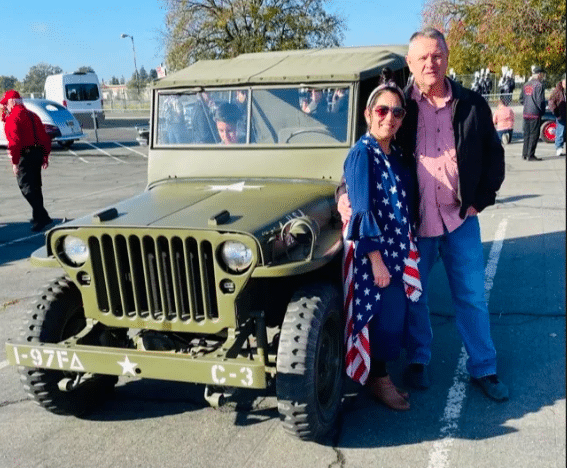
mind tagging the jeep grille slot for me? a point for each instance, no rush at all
(161, 279)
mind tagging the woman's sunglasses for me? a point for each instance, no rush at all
(382, 111)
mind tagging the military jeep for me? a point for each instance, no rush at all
(226, 270)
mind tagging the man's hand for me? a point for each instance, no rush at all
(45, 164)
(15, 169)
(344, 208)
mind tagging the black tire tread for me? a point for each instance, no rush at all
(295, 382)
(42, 324)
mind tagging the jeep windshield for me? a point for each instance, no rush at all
(274, 116)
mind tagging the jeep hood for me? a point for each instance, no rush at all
(253, 205)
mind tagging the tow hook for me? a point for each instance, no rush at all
(215, 396)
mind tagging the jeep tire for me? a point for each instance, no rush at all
(57, 315)
(310, 362)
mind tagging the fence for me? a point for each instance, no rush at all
(118, 104)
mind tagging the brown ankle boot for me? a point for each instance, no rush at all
(384, 390)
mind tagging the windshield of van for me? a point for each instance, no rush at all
(282, 116)
(82, 92)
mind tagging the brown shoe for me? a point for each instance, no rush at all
(384, 390)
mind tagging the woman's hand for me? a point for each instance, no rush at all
(379, 270)
(344, 208)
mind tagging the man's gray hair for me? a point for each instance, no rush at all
(430, 33)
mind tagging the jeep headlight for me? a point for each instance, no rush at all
(75, 250)
(236, 256)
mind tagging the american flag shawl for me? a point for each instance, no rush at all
(380, 221)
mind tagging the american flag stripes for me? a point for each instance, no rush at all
(357, 346)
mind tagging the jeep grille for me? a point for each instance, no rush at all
(154, 278)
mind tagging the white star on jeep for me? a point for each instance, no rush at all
(127, 366)
(238, 187)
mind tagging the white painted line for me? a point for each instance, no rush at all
(21, 239)
(4, 364)
(104, 152)
(77, 155)
(130, 149)
(439, 454)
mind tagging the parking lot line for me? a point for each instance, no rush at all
(77, 155)
(130, 149)
(3, 364)
(439, 454)
(104, 152)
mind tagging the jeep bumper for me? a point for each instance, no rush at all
(212, 369)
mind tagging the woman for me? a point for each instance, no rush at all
(503, 119)
(385, 258)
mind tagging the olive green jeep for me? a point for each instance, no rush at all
(226, 270)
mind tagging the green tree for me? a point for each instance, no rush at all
(114, 81)
(144, 77)
(35, 79)
(493, 33)
(213, 29)
(85, 69)
(8, 82)
(153, 74)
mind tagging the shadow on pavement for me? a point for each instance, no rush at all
(528, 329)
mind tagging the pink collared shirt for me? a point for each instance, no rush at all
(437, 171)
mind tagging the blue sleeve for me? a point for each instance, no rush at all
(359, 177)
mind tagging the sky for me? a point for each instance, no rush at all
(72, 34)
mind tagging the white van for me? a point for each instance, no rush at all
(79, 92)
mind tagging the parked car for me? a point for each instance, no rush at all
(59, 123)
(547, 129)
(226, 270)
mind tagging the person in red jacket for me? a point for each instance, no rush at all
(29, 147)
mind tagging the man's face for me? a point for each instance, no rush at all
(428, 60)
(227, 132)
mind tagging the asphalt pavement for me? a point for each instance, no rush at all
(451, 425)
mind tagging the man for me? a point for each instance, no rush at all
(449, 138)
(226, 118)
(557, 106)
(533, 99)
(29, 147)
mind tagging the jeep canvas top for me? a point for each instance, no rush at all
(226, 270)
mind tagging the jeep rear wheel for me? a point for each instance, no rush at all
(309, 379)
(58, 314)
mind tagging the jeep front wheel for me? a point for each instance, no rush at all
(310, 358)
(58, 314)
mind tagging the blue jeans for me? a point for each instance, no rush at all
(386, 328)
(559, 133)
(461, 252)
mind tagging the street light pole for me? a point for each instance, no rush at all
(135, 67)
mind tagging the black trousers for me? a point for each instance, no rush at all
(531, 136)
(29, 181)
